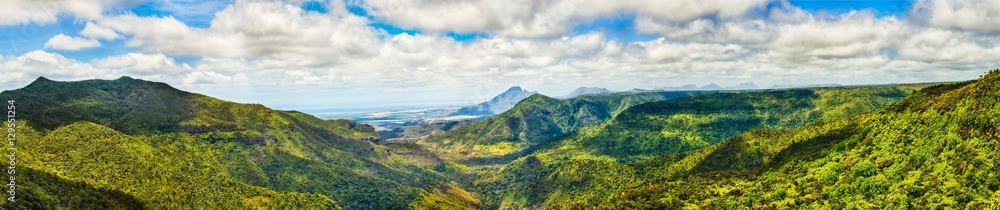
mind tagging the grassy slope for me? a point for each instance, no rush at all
(238, 143)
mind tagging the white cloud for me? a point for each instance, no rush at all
(852, 35)
(948, 46)
(972, 15)
(201, 77)
(18, 71)
(540, 18)
(752, 32)
(29, 11)
(283, 33)
(63, 42)
(46, 11)
(168, 35)
(253, 44)
(789, 33)
(95, 31)
(138, 63)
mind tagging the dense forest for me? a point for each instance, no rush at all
(535, 120)
(666, 127)
(170, 149)
(134, 144)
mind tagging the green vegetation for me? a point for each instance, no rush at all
(47, 191)
(888, 146)
(169, 149)
(422, 129)
(591, 159)
(934, 149)
(680, 125)
(533, 121)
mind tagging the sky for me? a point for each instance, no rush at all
(364, 55)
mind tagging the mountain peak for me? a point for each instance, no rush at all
(745, 86)
(498, 104)
(711, 86)
(515, 89)
(40, 80)
(586, 90)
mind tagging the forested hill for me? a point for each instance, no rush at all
(681, 125)
(134, 144)
(136, 107)
(166, 148)
(666, 127)
(936, 148)
(535, 120)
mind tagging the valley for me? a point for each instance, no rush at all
(152, 146)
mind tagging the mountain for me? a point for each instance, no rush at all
(710, 86)
(666, 127)
(933, 149)
(533, 121)
(680, 125)
(149, 145)
(586, 90)
(744, 86)
(685, 87)
(135, 144)
(423, 128)
(805, 86)
(498, 104)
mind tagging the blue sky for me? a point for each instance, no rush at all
(423, 52)
(618, 26)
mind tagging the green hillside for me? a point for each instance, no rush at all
(675, 126)
(230, 154)
(566, 166)
(134, 144)
(934, 149)
(535, 120)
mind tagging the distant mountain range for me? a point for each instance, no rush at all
(710, 86)
(498, 104)
(805, 86)
(509, 98)
(586, 90)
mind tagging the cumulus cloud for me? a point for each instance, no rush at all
(540, 18)
(24, 68)
(138, 63)
(63, 42)
(850, 36)
(790, 34)
(252, 44)
(205, 77)
(46, 11)
(972, 15)
(95, 31)
(282, 32)
(949, 46)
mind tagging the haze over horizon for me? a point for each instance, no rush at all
(314, 54)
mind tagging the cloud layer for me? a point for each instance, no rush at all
(532, 43)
